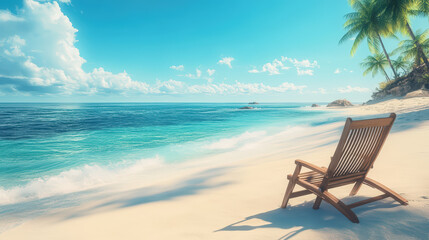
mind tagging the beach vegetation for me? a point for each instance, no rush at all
(374, 20)
(375, 64)
(398, 13)
(401, 65)
(368, 22)
(385, 84)
(409, 48)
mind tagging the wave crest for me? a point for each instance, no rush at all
(227, 143)
(74, 180)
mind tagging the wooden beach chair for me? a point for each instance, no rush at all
(356, 152)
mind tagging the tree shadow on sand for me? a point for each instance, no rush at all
(12, 215)
(379, 220)
(145, 195)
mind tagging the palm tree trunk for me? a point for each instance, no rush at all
(387, 56)
(419, 47)
(385, 74)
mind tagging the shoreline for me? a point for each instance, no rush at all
(217, 198)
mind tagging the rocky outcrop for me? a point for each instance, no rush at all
(415, 80)
(340, 103)
(315, 105)
(418, 93)
(253, 103)
(246, 107)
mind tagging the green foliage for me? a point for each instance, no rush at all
(375, 64)
(401, 64)
(366, 22)
(424, 79)
(409, 50)
(373, 19)
(384, 85)
(397, 11)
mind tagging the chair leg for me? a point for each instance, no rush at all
(372, 183)
(356, 188)
(340, 206)
(291, 185)
(289, 190)
(317, 203)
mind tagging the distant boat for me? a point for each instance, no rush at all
(253, 103)
(246, 107)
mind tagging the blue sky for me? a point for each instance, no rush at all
(198, 51)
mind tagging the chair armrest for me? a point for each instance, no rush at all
(313, 167)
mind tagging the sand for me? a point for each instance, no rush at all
(237, 195)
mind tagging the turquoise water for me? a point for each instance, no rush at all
(38, 141)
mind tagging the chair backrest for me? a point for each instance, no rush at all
(359, 146)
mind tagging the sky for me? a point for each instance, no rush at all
(181, 51)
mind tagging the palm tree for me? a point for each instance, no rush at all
(409, 48)
(398, 11)
(375, 64)
(401, 63)
(367, 22)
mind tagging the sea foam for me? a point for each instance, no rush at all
(228, 143)
(75, 180)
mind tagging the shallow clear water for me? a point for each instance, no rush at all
(46, 139)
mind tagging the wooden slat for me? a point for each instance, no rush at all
(300, 193)
(357, 145)
(369, 200)
(348, 158)
(345, 151)
(377, 147)
(347, 176)
(339, 151)
(361, 156)
(374, 142)
(366, 150)
(377, 122)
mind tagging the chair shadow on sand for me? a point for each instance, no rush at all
(376, 218)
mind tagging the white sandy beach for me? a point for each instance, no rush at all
(237, 195)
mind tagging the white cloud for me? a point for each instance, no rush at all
(305, 72)
(168, 87)
(194, 76)
(337, 71)
(349, 89)
(39, 56)
(177, 87)
(301, 64)
(227, 61)
(178, 68)
(273, 68)
(211, 71)
(276, 66)
(243, 88)
(102, 81)
(7, 16)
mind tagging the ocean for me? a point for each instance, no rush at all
(55, 148)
